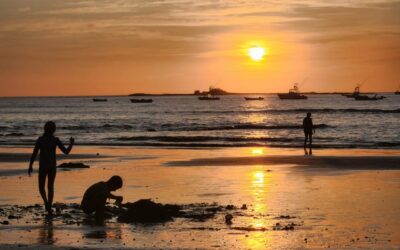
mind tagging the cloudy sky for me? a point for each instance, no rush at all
(85, 47)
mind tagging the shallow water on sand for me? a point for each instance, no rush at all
(330, 207)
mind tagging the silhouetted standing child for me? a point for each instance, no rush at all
(95, 197)
(308, 129)
(47, 144)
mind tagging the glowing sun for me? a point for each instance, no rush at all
(256, 53)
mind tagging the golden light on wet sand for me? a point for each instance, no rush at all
(257, 151)
(259, 178)
(258, 189)
(258, 240)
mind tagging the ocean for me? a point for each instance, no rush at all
(185, 121)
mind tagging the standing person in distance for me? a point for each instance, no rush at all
(309, 129)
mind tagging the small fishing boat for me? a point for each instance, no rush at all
(141, 100)
(99, 99)
(368, 98)
(294, 94)
(209, 98)
(254, 98)
(355, 93)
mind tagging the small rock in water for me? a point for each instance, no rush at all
(286, 217)
(66, 216)
(244, 207)
(228, 219)
(230, 207)
(5, 222)
(73, 165)
(11, 217)
(288, 227)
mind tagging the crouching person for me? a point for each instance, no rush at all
(95, 198)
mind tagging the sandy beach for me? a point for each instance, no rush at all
(180, 124)
(332, 199)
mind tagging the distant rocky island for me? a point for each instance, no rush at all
(211, 91)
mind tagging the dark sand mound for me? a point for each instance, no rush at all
(73, 165)
(147, 211)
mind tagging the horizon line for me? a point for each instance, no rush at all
(191, 94)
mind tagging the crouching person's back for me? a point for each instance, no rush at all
(95, 198)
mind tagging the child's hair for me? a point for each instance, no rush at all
(49, 128)
(115, 182)
(309, 114)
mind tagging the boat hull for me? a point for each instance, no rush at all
(350, 95)
(367, 98)
(254, 98)
(141, 100)
(205, 98)
(292, 97)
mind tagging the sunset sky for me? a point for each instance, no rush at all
(84, 47)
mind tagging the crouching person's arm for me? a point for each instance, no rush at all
(118, 199)
(113, 184)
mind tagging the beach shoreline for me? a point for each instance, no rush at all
(319, 194)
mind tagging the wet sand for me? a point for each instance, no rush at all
(334, 198)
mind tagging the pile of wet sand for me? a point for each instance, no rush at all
(146, 212)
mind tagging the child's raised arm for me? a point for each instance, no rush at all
(62, 148)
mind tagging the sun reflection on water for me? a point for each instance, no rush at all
(258, 190)
(259, 181)
(257, 151)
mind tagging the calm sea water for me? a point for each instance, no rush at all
(188, 122)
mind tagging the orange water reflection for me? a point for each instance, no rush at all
(258, 190)
(260, 179)
(257, 151)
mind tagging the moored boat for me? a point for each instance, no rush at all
(99, 99)
(294, 94)
(355, 93)
(254, 98)
(368, 98)
(208, 98)
(141, 100)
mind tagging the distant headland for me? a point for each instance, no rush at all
(211, 91)
(218, 91)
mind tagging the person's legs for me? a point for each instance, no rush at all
(100, 209)
(50, 188)
(305, 138)
(42, 182)
(310, 135)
